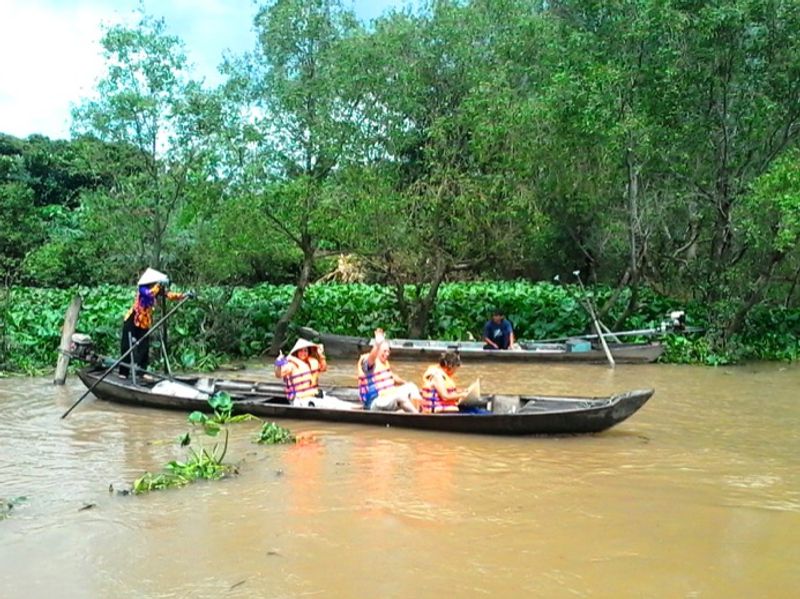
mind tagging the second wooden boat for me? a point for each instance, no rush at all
(568, 351)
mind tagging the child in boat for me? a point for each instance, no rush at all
(378, 386)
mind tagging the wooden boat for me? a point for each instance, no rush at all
(506, 415)
(569, 351)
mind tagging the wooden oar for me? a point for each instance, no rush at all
(125, 355)
(593, 315)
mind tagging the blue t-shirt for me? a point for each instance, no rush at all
(499, 333)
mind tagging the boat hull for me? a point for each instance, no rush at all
(510, 415)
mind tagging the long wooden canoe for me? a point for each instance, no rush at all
(507, 414)
(348, 346)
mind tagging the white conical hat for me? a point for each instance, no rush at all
(302, 344)
(151, 275)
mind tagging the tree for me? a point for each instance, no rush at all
(769, 216)
(146, 106)
(302, 123)
(739, 108)
(425, 210)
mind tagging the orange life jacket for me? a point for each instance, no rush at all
(302, 382)
(373, 381)
(431, 402)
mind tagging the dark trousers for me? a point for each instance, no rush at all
(141, 353)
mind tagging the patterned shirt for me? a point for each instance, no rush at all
(145, 304)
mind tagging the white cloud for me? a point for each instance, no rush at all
(49, 58)
(50, 55)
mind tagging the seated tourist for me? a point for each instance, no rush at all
(378, 387)
(439, 390)
(300, 372)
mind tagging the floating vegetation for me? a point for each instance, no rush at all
(274, 434)
(203, 463)
(222, 404)
(200, 465)
(6, 505)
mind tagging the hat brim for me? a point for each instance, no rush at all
(303, 344)
(151, 275)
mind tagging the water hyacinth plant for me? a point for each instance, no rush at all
(274, 434)
(203, 463)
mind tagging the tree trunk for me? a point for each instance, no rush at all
(633, 213)
(788, 302)
(419, 320)
(754, 296)
(279, 333)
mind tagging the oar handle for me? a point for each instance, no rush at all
(123, 356)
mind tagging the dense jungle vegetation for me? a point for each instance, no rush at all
(351, 175)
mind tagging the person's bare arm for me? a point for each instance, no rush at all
(323, 361)
(444, 392)
(376, 347)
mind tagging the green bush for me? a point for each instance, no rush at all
(237, 323)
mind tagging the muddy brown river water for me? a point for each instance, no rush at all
(697, 495)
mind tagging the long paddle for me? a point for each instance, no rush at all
(593, 314)
(125, 355)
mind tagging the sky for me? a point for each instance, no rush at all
(50, 54)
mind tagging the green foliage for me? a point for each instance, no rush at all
(771, 213)
(21, 228)
(642, 141)
(684, 350)
(274, 434)
(225, 324)
(771, 334)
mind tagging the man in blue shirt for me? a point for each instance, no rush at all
(498, 332)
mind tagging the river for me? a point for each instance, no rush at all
(696, 495)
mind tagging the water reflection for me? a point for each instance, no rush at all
(696, 495)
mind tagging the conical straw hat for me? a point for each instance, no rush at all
(301, 344)
(151, 275)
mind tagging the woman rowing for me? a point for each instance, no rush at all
(138, 320)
